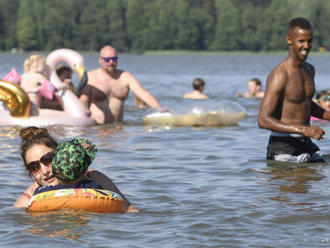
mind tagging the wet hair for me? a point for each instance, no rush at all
(299, 22)
(62, 68)
(256, 81)
(198, 83)
(35, 136)
(321, 93)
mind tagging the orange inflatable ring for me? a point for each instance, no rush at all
(93, 200)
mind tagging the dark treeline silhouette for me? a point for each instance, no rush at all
(140, 25)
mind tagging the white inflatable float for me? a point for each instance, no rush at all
(17, 104)
(224, 116)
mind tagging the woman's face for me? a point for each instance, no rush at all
(325, 102)
(39, 157)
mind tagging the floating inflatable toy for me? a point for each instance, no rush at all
(76, 62)
(17, 104)
(15, 98)
(210, 119)
(93, 200)
(198, 117)
(73, 59)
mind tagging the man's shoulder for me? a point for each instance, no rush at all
(281, 70)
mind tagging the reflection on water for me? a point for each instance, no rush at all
(66, 224)
(292, 178)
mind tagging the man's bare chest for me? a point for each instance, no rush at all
(300, 87)
(106, 90)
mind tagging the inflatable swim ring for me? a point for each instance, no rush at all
(210, 119)
(93, 200)
(15, 98)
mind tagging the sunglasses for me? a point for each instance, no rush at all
(325, 98)
(107, 59)
(46, 159)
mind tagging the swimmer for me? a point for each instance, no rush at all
(65, 74)
(37, 149)
(108, 87)
(36, 72)
(198, 86)
(287, 105)
(70, 161)
(254, 89)
(322, 98)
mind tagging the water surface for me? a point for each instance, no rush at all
(195, 187)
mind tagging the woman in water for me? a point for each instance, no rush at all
(37, 149)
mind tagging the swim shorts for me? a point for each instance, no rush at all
(293, 148)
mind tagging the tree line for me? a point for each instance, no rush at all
(140, 25)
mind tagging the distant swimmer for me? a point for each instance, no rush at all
(254, 89)
(198, 85)
(288, 103)
(322, 98)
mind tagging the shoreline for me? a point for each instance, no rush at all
(183, 53)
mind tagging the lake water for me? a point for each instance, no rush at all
(194, 187)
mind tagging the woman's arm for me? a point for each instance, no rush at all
(24, 199)
(107, 184)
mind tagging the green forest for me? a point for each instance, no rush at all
(143, 25)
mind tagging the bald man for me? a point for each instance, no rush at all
(108, 87)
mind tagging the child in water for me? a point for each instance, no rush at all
(70, 161)
(198, 85)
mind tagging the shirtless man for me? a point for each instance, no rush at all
(254, 89)
(108, 88)
(287, 105)
(198, 86)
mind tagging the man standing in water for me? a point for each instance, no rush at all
(287, 105)
(108, 88)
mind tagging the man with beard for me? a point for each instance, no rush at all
(287, 105)
(108, 88)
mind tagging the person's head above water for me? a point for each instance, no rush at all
(72, 159)
(108, 59)
(299, 38)
(36, 151)
(36, 63)
(323, 98)
(198, 84)
(254, 86)
(298, 22)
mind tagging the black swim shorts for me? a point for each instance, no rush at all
(293, 149)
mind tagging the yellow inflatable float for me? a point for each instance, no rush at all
(224, 116)
(210, 119)
(92, 200)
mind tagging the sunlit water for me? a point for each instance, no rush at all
(194, 187)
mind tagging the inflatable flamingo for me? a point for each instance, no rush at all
(16, 107)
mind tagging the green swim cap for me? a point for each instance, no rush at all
(72, 158)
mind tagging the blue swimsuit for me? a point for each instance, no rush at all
(82, 184)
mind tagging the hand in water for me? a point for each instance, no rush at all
(164, 110)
